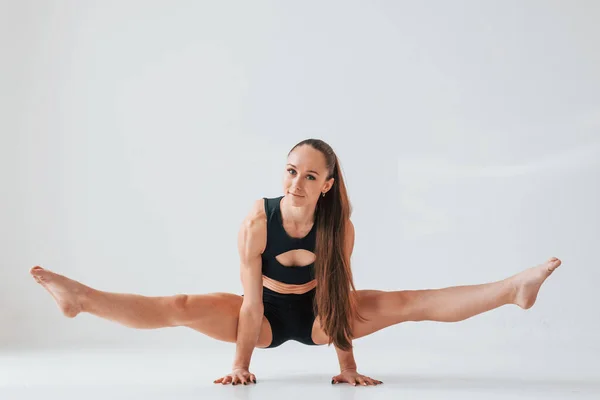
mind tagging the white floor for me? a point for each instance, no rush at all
(296, 373)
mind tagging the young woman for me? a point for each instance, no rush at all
(295, 269)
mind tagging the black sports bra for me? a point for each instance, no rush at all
(278, 242)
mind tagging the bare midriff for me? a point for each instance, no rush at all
(286, 288)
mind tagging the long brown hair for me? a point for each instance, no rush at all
(335, 304)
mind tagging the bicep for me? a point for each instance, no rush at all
(251, 276)
(251, 243)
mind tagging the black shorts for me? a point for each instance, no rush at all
(290, 315)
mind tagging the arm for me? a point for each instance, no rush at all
(348, 372)
(346, 358)
(252, 239)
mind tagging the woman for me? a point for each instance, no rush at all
(295, 269)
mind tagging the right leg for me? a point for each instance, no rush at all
(214, 314)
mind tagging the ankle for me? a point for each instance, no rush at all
(511, 290)
(85, 298)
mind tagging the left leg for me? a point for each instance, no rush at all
(385, 308)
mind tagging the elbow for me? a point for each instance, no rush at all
(252, 309)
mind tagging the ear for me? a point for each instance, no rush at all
(328, 185)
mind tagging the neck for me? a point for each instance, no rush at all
(298, 215)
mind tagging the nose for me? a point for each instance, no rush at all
(297, 188)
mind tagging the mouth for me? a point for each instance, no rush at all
(295, 195)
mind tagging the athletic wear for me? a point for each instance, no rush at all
(278, 242)
(290, 315)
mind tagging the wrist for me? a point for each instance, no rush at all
(344, 368)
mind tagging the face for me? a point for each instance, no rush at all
(305, 177)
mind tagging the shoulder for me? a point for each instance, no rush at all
(252, 235)
(256, 216)
(349, 237)
(349, 228)
(257, 213)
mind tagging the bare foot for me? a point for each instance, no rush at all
(527, 283)
(67, 293)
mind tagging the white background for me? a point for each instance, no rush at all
(136, 135)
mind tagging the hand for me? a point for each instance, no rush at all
(237, 376)
(352, 377)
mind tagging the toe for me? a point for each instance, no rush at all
(36, 269)
(553, 263)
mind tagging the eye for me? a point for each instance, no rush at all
(291, 171)
(312, 178)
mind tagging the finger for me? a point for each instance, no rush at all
(367, 381)
(361, 381)
(218, 380)
(244, 379)
(227, 380)
(253, 378)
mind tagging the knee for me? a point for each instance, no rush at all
(408, 306)
(414, 307)
(397, 306)
(179, 303)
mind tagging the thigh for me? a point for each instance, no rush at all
(216, 315)
(378, 308)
